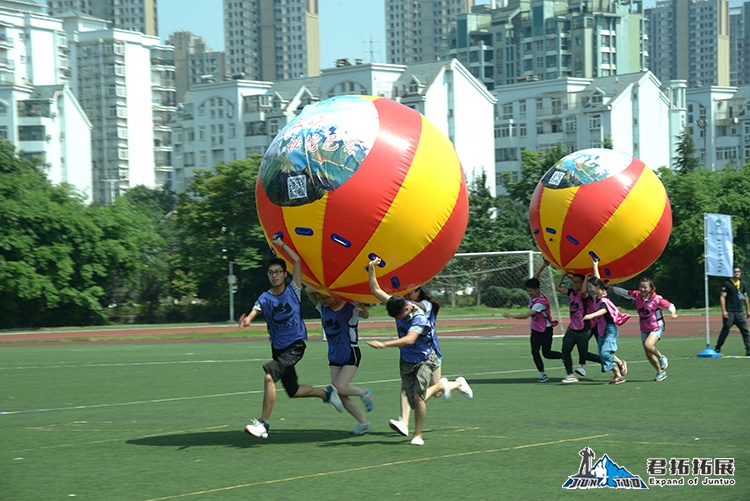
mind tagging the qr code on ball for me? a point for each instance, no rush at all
(297, 187)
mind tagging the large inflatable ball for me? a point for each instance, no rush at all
(601, 203)
(355, 177)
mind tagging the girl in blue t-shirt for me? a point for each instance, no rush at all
(340, 321)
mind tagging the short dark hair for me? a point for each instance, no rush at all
(276, 260)
(532, 283)
(596, 281)
(395, 306)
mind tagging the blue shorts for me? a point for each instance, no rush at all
(658, 332)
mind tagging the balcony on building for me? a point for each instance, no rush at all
(34, 108)
(6, 41)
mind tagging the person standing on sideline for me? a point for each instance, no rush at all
(418, 358)
(425, 302)
(340, 321)
(607, 317)
(281, 307)
(541, 323)
(649, 305)
(578, 332)
(733, 295)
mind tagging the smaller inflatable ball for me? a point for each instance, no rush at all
(354, 177)
(602, 203)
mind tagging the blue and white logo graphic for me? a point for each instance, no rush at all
(604, 473)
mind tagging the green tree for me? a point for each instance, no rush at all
(217, 222)
(679, 271)
(495, 223)
(685, 161)
(152, 288)
(534, 165)
(60, 259)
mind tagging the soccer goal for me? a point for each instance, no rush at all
(494, 279)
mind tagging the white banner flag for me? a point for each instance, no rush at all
(719, 250)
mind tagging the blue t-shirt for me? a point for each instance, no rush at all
(430, 312)
(419, 351)
(341, 331)
(283, 315)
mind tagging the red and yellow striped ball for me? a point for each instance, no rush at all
(354, 177)
(602, 203)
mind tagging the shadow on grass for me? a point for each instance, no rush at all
(240, 439)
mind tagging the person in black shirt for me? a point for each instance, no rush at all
(733, 295)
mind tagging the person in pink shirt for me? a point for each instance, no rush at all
(650, 305)
(541, 323)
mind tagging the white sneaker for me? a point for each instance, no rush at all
(257, 428)
(332, 397)
(446, 390)
(581, 371)
(417, 441)
(465, 389)
(570, 379)
(399, 427)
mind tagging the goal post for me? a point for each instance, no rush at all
(494, 279)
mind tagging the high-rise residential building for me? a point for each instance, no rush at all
(125, 83)
(527, 40)
(689, 40)
(39, 114)
(271, 39)
(739, 45)
(417, 31)
(194, 62)
(132, 15)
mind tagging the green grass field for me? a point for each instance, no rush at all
(164, 421)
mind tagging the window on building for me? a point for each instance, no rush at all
(595, 121)
(507, 111)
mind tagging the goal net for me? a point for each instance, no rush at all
(493, 279)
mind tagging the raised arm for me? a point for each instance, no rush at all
(312, 294)
(374, 285)
(541, 268)
(559, 286)
(297, 267)
(595, 264)
(364, 311)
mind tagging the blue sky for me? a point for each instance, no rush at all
(348, 28)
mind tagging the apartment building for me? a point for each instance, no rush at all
(39, 114)
(271, 39)
(229, 120)
(131, 15)
(124, 81)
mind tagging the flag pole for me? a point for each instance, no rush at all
(708, 352)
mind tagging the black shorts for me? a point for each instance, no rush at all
(282, 365)
(354, 360)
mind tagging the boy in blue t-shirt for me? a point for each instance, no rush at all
(281, 308)
(418, 357)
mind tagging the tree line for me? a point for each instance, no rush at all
(155, 255)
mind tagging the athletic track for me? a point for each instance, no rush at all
(692, 325)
